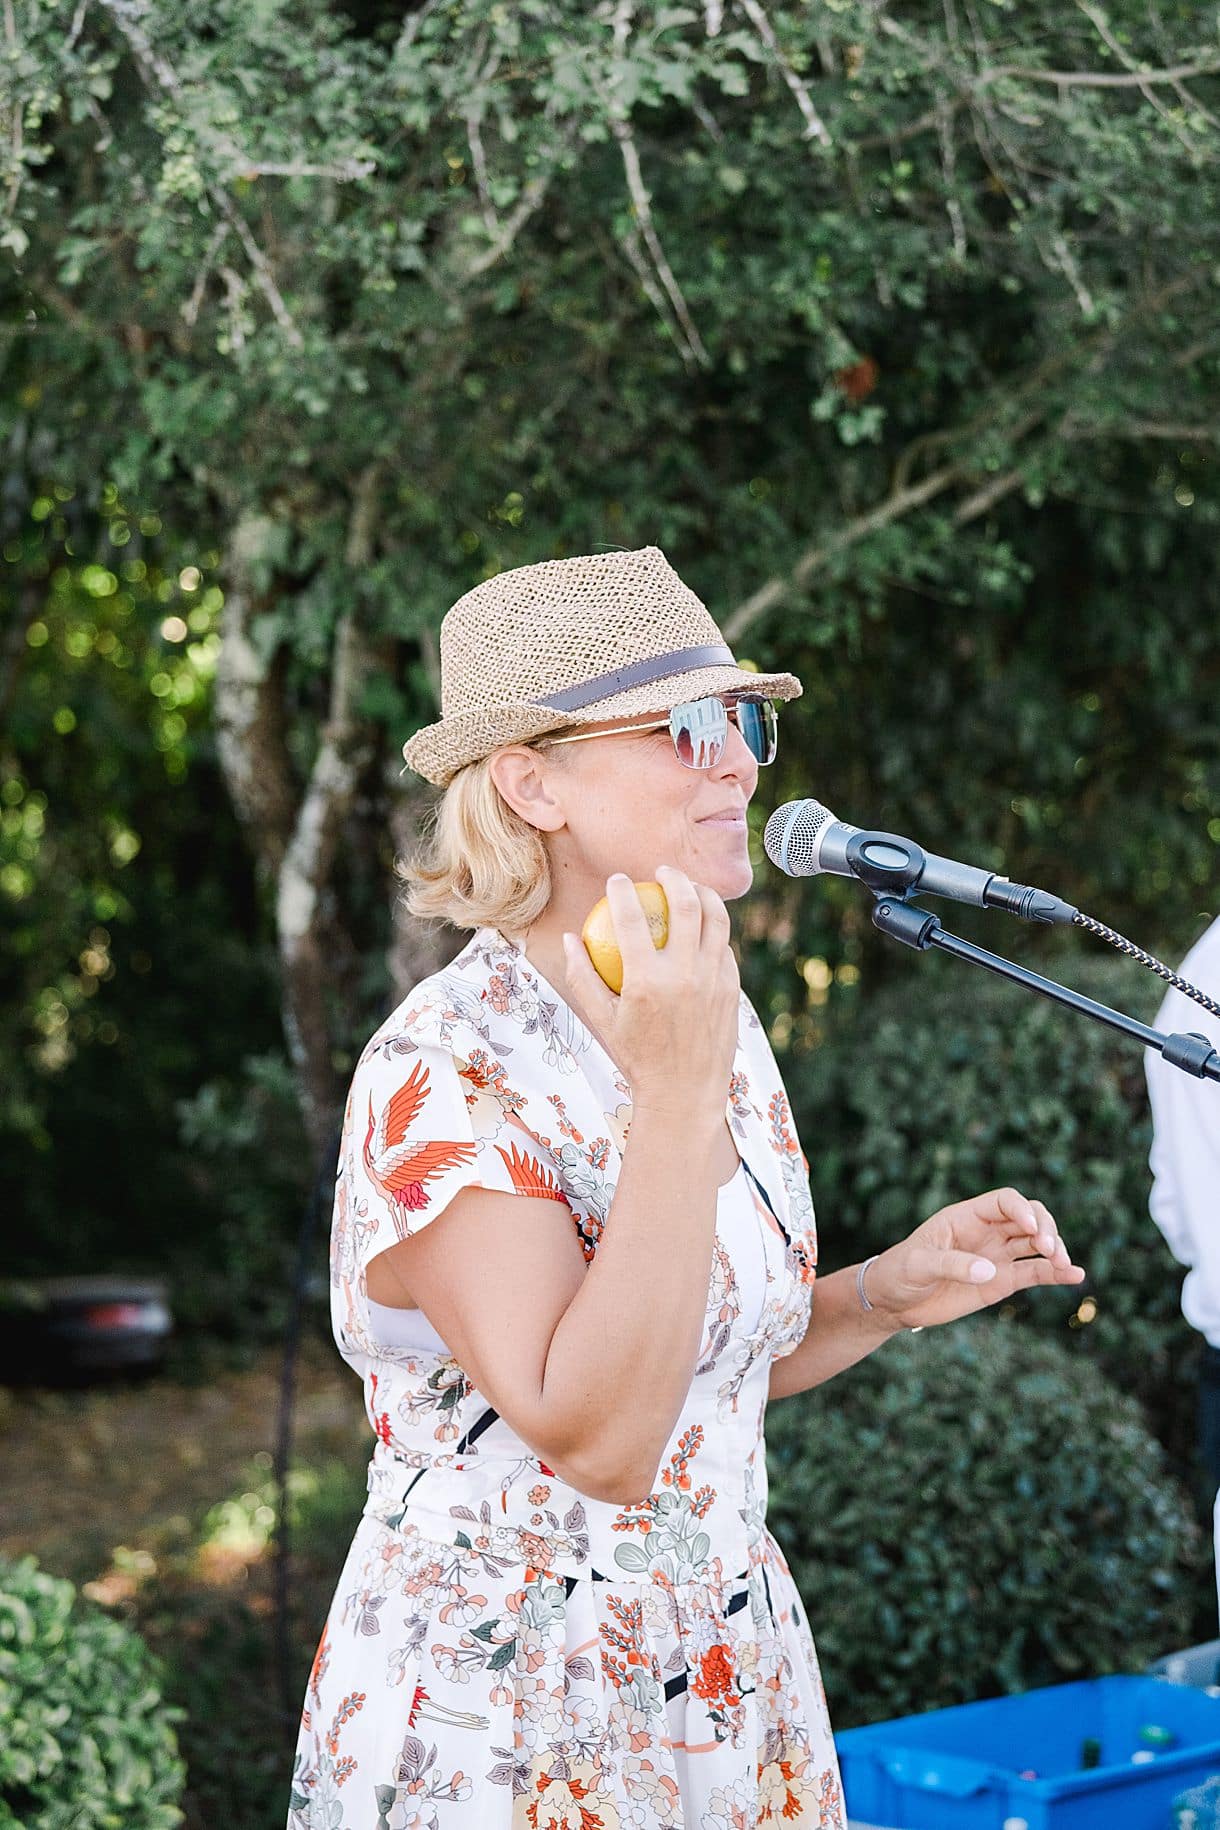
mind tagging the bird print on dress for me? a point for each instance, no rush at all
(398, 1169)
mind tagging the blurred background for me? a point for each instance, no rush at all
(896, 329)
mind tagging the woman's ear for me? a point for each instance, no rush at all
(526, 780)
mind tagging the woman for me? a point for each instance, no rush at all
(573, 1258)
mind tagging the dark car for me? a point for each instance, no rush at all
(66, 1330)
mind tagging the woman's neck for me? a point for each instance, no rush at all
(543, 952)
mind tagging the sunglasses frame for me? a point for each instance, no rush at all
(665, 724)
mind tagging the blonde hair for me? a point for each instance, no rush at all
(480, 864)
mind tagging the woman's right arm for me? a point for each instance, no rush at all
(590, 1364)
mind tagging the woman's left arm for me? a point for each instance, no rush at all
(964, 1258)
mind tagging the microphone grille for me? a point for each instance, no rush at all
(791, 836)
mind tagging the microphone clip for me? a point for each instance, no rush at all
(888, 864)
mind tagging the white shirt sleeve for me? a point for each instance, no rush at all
(1185, 1154)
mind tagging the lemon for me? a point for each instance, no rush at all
(598, 932)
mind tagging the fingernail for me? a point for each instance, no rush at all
(982, 1270)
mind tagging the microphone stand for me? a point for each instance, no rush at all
(916, 927)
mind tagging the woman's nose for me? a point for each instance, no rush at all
(738, 758)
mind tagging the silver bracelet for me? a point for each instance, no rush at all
(864, 1300)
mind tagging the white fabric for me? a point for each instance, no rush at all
(503, 1650)
(410, 1328)
(1185, 1154)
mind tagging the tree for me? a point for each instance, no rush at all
(837, 305)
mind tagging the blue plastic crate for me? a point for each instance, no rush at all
(960, 1768)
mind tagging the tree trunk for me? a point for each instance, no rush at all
(293, 834)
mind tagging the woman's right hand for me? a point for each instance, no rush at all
(672, 1030)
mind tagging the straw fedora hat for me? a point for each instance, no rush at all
(567, 642)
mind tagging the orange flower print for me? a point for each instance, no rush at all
(344, 1713)
(781, 1117)
(498, 995)
(624, 1651)
(571, 1800)
(689, 1444)
(714, 1682)
(321, 1659)
(830, 1796)
(785, 1795)
(480, 1070)
(533, 1548)
(565, 1124)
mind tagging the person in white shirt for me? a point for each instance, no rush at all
(1185, 1197)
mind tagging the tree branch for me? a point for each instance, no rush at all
(900, 503)
(16, 116)
(949, 163)
(155, 69)
(690, 343)
(1149, 428)
(815, 127)
(907, 497)
(1098, 20)
(474, 120)
(1096, 79)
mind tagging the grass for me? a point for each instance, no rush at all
(157, 1499)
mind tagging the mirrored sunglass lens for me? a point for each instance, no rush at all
(757, 723)
(699, 729)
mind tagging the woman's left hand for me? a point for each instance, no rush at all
(937, 1275)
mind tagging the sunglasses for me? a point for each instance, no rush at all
(700, 728)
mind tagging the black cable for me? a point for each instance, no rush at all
(1145, 959)
(316, 1207)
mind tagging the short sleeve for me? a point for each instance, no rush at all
(424, 1120)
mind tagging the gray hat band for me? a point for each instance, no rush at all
(638, 673)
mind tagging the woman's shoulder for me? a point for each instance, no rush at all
(445, 1009)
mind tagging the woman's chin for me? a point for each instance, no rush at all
(732, 879)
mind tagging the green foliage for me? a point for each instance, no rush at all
(974, 1511)
(86, 1742)
(950, 1081)
(243, 1134)
(870, 331)
(904, 369)
(140, 1007)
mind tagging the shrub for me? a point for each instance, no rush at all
(249, 1163)
(953, 1081)
(86, 1742)
(972, 1511)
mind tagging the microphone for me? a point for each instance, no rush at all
(803, 839)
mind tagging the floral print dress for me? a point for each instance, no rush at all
(502, 1650)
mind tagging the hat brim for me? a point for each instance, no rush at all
(439, 750)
